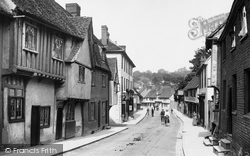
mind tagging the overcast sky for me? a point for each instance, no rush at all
(155, 32)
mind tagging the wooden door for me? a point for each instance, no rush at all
(35, 126)
(59, 119)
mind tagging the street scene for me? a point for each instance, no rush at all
(125, 78)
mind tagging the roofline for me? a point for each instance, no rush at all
(120, 52)
(43, 22)
(231, 17)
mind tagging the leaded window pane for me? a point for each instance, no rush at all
(57, 48)
(30, 37)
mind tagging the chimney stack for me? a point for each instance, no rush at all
(105, 35)
(74, 9)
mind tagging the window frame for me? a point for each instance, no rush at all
(103, 80)
(243, 23)
(42, 108)
(70, 111)
(247, 91)
(81, 78)
(53, 50)
(26, 24)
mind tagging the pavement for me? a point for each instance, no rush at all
(192, 137)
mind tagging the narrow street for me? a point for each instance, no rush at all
(149, 137)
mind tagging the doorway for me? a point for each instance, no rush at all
(35, 126)
(59, 122)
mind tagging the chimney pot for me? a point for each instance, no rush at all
(74, 9)
(105, 35)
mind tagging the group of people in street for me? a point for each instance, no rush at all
(165, 115)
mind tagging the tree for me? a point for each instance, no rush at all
(197, 57)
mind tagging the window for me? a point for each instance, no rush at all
(103, 80)
(233, 39)
(224, 94)
(247, 91)
(91, 111)
(81, 74)
(57, 48)
(93, 78)
(70, 115)
(234, 92)
(15, 99)
(103, 108)
(44, 117)
(243, 22)
(30, 37)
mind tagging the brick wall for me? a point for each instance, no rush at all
(236, 62)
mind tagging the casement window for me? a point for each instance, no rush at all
(57, 48)
(103, 108)
(81, 74)
(30, 38)
(93, 78)
(103, 80)
(16, 98)
(44, 117)
(247, 90)
(91, 111)
(243, 22)
(234, 78)
(70, 112)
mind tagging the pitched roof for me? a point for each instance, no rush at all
(47, 11)
(98, 61)
(192, 84)
(112, 62)
(82, 25)
(162, 92)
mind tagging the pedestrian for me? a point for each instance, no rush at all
(152, 111)
(162, 115)
(171, 110)
(194, 119)
(147, 112)
(167, 116)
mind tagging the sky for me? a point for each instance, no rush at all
(155, 32)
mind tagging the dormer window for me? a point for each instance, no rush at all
(243, 22)
(101, 53)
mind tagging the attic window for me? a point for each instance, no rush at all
(30, 38)
(101, 53)
(233, 39)
(243, 22)
(57, 48)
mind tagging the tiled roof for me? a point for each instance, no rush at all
(112, 46)
(98, 62)
(162, 92)
(82, 25)
(112, 66)
(192, 84)
(47, 11)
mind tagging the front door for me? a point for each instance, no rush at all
(35, 126)
(99, 114)
(59, 119)
(70, 123)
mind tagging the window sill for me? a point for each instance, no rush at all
(57, 59)
(243, 37)
(82, 82)
(234, 112)
(232, 49)
(42, 127)
(247, 116)
(16, 120)
(32, 51)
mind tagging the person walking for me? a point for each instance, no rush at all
(147, 111)
(152, 111)
(167, 116)
(162, 115)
